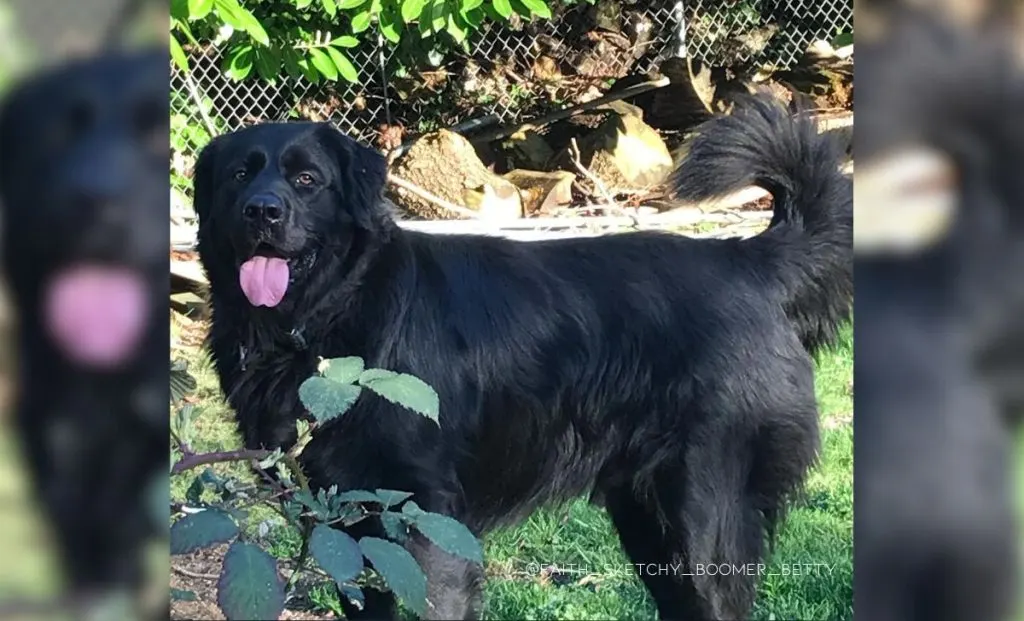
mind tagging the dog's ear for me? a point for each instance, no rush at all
(203, 180)
(363, 173)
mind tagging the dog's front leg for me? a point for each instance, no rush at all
(454, 585)
(366, 451)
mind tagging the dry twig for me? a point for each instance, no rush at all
(599, 185)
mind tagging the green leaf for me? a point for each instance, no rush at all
(337, 553)
(182, 382)
(309, 71)
(399, 570)
(323, 64)
(456, 28)
(474, 18)
(411, 10)
(348, 71)
(391, 24)
(347, 42)
(440, 16)
(375, 374)
(351, 4)
(319, 509)
(229, 10)
(183, 28)
(239, 62)
(180, 595)
(249, 585)
(268, 63)
(469, 5)
(330, 7)
(344, 370)
(538, 8)
(302, 4)
(198, 9)
(450, 535)
(326, 399)
(195, 491)
(178, 54)
(179, 10)
(425, 22)
(358, 495)
(290, 58)
(394, 526)
(253, 26)
(503, 8)
(361, 22)
(405, 390)
(412, 509)
(390, 497)
(842, 40)
(201, 530)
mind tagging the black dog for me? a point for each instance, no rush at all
(83, 181)
(671, 376)
(940, 342)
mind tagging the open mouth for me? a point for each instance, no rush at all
(267, 250)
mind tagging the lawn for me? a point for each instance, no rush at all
(566, 563)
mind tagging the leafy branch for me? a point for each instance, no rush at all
(250, 585)
(301, 36)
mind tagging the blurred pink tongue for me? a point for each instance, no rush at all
(264, 280)
(96, 314)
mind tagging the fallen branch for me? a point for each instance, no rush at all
(564, 113)
(430, 197)
(196, 575)
(574, 151)
(679, 217)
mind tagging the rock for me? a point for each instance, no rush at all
(528, 149)
(542, 192)
(501, 203)
(445, 164)
(621, 107)
(624, 152)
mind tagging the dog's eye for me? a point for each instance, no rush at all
(241, 174)
(304, 179)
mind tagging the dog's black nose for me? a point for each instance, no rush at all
(264, 209)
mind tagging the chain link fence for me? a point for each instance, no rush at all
(513, 72)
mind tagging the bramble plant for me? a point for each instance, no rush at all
(249, 585)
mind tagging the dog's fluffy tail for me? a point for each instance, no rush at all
(807, 249)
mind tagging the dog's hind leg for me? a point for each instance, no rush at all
(657, 551)
(739, 481)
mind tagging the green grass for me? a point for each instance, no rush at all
(579, 538)
(29, 568)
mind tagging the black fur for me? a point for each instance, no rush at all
(669, 375)
(84, 179)
(939, 359)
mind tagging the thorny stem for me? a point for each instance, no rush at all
(307, 530)
(182, 445)
(193, 460)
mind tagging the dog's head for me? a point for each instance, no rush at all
(274, 199)
(83, 183)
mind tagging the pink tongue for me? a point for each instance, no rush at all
(264, 280)
(96, 314)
